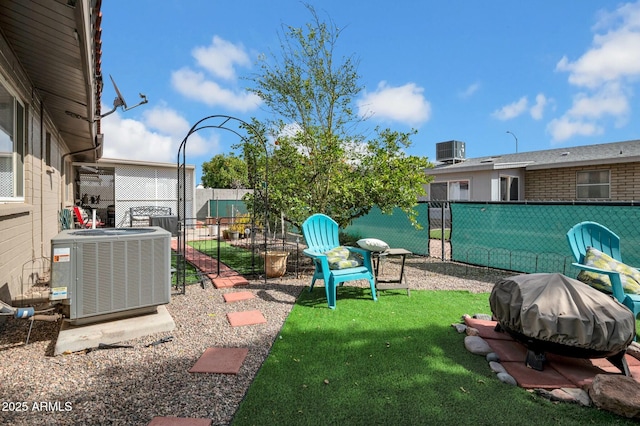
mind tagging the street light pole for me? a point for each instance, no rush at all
(514, 136)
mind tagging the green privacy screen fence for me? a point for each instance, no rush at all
(394, 229)
(226, 208)
(516, 236)
(531, 237)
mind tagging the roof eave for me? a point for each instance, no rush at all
(583, 163)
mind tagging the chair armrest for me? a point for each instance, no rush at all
(614, 277)
(366, 256)
(319, 259)
(313, 254)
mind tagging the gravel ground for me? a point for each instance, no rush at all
(131, 386)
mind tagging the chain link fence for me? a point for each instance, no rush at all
(525, 237)
(531, 236)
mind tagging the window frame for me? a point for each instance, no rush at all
(19, 149)
(510, 180)
(448, 184)
(592, 185)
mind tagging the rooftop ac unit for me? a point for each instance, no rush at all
(110, 273)
(450, 152)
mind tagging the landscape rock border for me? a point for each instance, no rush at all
(615, 393)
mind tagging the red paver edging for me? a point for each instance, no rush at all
(559, 371)
(226, 279)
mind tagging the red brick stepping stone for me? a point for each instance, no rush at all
(229, 281)
(237, 319)
(178, 421)
(237, 296)
(220, 361)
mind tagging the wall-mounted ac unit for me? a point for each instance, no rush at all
(108, 273)
(450, 151)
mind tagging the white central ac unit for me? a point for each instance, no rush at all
(108, 273)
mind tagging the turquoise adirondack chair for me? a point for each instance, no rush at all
(592, 234)
(321, 235)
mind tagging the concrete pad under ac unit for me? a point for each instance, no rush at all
(73, 338)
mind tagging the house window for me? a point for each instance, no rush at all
(459, 191)
(593, 184)
(438, 191)
(509, 190)
(11, 147)
(450, 191)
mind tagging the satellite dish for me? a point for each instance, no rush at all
(117, 102)
(120, 102)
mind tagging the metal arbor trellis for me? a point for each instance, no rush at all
(182, 187)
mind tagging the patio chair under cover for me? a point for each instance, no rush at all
(555, 313)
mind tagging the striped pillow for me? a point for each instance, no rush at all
(341, 258)
(629, 276)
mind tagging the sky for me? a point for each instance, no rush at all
(552, 73)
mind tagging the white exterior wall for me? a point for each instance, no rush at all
(150, 185)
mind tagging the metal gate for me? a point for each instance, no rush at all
(255, 144)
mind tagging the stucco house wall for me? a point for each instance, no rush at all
(484, 185)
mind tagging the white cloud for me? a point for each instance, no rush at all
(609, 100)
(605, 74)
(565, 128)
(512, 110)
(221, 57)
(219, 61)
(405, 104)
(156, 138)
(537, 110)
(614, 55)
(195, 86)
(469, 91)
(166, 121)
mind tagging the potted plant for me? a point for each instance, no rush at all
(275, 263)
(239, 224)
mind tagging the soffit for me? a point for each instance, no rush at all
(57, 44)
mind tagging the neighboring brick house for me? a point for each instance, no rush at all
(50, 89)
(601, 172)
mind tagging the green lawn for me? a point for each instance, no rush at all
(237, 258)
(436, 234)
(392, 362)
(191, 273)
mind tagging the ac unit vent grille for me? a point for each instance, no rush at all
(451, 151)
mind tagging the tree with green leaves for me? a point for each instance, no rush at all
(225, 171)
(319, 162)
